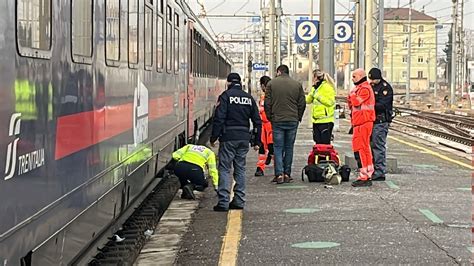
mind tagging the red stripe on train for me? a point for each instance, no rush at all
(79, 131)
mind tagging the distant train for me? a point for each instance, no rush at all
(95, 95)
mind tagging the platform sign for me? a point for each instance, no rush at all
(259, 66)
(307, 31)
(343, 31)
(255, 19)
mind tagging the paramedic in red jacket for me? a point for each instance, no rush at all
(266, 150)
(361, 101)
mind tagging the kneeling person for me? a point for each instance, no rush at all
(192, 160)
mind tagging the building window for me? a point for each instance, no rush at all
(421, 28)
(148, 36)
(34, 25)
(112, 30)
(81, 17)
(420, 59)
(405, 43)
(385, 43)
(420, 74)
(405, 59)
(420, 42)
(300, 65)
(405, 28)
(133, 32)
(404, 74)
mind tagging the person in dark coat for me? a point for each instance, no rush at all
(383, 116)
(231, 127)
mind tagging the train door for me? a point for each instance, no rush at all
(189, 74)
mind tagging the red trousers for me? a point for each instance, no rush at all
(361, 143)
(267, 138)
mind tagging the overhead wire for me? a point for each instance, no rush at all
(246, 3)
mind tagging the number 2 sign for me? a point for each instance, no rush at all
(306, 31)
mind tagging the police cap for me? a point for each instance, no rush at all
(375, 73)
(234, 78)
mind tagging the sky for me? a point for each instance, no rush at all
(440, 9)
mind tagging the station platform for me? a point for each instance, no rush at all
(420, 215)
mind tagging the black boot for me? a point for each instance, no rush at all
(259, 172)
(187, 192)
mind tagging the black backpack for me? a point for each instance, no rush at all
(314, 172)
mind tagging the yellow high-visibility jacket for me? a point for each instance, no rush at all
(199, 155)
(323, 99)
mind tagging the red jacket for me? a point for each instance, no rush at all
(261, 109)
(361, 101)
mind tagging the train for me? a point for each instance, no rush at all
(95, 96)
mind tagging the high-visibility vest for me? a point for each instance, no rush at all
(323, 99)
(199, 155)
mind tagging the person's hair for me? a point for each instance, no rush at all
(324, 76)
(283, 69)
(264, 80)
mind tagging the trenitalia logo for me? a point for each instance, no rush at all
(26, 162)
(14, 130)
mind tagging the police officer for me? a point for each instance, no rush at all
(383, 116)
(231, 126)
(191, 162)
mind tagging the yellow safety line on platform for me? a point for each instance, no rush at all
(230, 243)
(433, 153)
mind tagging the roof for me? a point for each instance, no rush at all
(402, 14)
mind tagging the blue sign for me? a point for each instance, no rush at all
(307, 31)
(259, 66)
(343, 31)
(304, 18)
(255, 19)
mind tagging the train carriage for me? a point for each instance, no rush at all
(95, 95)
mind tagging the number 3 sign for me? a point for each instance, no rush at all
(343, 31)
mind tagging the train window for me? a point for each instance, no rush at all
(191, 51)
(160, 6)
(112, 30)
(169, 39)
(81, 28)
(176, 43)
(34, 27)
(148, 36)
(159, 43)
(133, 32)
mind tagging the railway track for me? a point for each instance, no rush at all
(461, 128)
(459, 139)
(124, 246)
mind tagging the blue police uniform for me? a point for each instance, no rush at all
(383, 116)
(231, 126)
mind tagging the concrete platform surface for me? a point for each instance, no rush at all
(420, 215)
